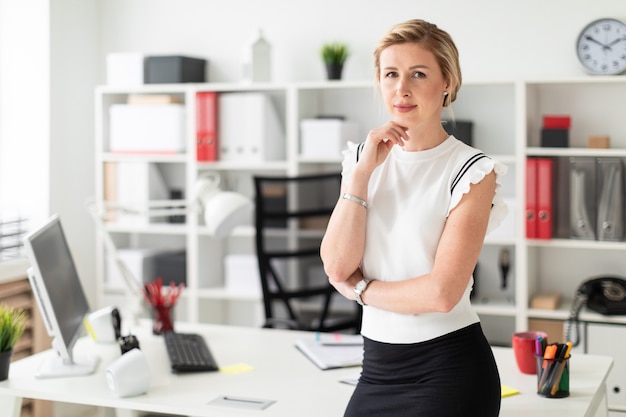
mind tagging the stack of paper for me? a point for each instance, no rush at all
(331, 351)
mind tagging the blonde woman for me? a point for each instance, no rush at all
(406, 234)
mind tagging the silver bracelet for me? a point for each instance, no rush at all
(355, 199)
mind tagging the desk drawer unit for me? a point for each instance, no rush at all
(610, 339)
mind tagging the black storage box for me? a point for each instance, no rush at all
(174, 69)
(171, 267)
(554, 138)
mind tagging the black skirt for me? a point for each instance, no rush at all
(452, 375)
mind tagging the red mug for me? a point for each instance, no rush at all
(524, 347)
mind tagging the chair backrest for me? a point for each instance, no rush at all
(291, 214)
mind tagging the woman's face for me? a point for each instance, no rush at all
(411, 84)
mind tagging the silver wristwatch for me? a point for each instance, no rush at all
(359, 288)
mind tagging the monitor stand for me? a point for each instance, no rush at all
(53, 366)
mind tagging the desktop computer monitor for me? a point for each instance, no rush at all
(60, 297)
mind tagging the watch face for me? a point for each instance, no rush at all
(601, 47)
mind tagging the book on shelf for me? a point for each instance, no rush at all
(583, 197)
(610, 223)
(206, 126)
(332, 351)
(531, 198)
(540, 198)
(545, 198)
(261, 138)
(153, 99)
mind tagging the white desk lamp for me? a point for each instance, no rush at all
(223, 211)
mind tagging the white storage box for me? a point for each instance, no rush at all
(242, 274)
(326, 138)
(125, 69)
(136, 128)
(249, 128)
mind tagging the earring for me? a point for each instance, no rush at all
(445, 93)
(445, 96)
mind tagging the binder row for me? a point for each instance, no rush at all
(539, 198)
(237, 127)
(576, 198)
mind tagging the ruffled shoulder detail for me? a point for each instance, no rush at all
(474, 175)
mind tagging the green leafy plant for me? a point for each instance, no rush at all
(335, 53)
(12, 326)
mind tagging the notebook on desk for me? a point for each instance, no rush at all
(332, 351)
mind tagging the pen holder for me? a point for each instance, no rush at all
(162, 319)
(162, 300)
(552, 377)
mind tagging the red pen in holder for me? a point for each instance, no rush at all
(162, 301)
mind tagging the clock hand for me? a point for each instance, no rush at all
(590, 39)
(614, 42)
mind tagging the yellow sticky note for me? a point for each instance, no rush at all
(507, 391)
(237, 368)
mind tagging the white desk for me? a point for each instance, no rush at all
(281, 373)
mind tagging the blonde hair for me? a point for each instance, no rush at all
(435, 40)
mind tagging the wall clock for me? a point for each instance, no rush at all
(601, 47)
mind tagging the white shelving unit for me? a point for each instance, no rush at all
(506, 116)
(562, 264)
(206, 298)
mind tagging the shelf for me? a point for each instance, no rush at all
(495, 309)
(266, 166)
(562, 313)
(577, 244)
(566, 152)
(239, 231)
(308, 160)
(226, 294)
(151, 228)
(500, 241)
(188, 87)
(144, 157)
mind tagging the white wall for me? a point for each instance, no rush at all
(74, 73)
(496, 38)
(24, 98)
(48, 69)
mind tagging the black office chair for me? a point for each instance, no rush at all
(291, 216)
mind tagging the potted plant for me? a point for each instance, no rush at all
(12, 326)
(334, 56)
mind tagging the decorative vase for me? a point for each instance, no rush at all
(5, 361)
(334, 71)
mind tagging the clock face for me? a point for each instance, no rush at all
(601, 47)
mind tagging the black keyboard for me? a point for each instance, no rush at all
(188, 352)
